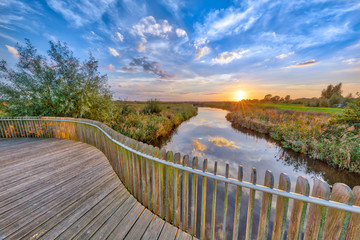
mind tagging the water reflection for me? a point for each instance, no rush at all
(209, 135)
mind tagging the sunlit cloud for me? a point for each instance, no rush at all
(120, 36)
(129, 69)
(113, 52)
(110, 67)
(285, 55)
(227, 57)
(141, 47)
(200, 52)
(12, 50)
(223, 142)
(303, 64)
(149, 26)
(181, 32)
(198, 148)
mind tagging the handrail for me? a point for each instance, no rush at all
(250, 185)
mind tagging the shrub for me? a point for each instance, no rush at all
(350, 114)
(152, 107)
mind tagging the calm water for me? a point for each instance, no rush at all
(209, 135)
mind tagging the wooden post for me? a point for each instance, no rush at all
(213, 211)
(149, 178)
(169, 189)
(353, 229)
(282, 204)
(162, 184)
(317, 213)
(265, 207)
(298, 213)
(185, 198)
(176, 187)
(337, 220)
(237, 204)
(194, 197)
(156, 186)
(203, 201)
(226, 195)
(250, 214)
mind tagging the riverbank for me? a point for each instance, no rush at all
(312, 134)
(135, 120)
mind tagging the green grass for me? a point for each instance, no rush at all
(297, 107)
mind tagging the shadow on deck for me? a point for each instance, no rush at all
(62, 189)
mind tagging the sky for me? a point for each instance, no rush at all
(198, 50)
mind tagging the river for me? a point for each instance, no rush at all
(209, 135)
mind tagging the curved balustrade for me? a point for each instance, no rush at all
(162, 181)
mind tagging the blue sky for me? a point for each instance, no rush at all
(198, 50)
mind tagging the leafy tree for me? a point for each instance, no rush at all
(275, 99)
(58, 86)
(267, 97)
(351, 114)
(330, 90)
(287, 98)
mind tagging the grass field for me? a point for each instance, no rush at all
(297, 107)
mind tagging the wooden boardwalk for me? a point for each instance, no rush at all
(62, 189)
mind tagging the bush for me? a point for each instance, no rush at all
(152, 107)
(59, 86)
(351, 114)
(324, 102)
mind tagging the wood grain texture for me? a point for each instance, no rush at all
(70, 193)
(265, 207)
(336, 220)
(353, 229)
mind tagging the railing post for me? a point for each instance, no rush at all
(194, 197)
(213, 211)
(203, 201)
(250, 214)
(185, 198)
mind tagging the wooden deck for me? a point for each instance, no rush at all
(62, 189)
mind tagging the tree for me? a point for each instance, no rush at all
(275, 99)
(351, 114)
(330, 90)
(267, 97)
(287, 98)
(58, 86)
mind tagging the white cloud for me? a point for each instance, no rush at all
(113, 52)
(141, 47)
(149, 26)
(224, 22)
(200, 52)
(352, 61)
(181, 32)
(12, 50)
(120, 36)
(285, 55)
(227, 57)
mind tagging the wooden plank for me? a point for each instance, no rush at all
(162, 184)
(125, 225)
(116, 196)
(213, 211)
(169, 189)
(250, 213)
(203, 201)
(194, 197)
(281, 209)
(154, 229)
(183, 236)
(317, 213)
(140, 226)
(61, 225)
(156, 182)
(226, 196)
(237, 204)
(353, 229)
(185, 197)
(337, 220)
(177, 191)
(149, 178)
(168, 232)
(298, 212)
(101, 220)
(265, 207)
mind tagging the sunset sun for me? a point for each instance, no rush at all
(239, 95)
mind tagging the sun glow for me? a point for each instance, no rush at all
(239, 95)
